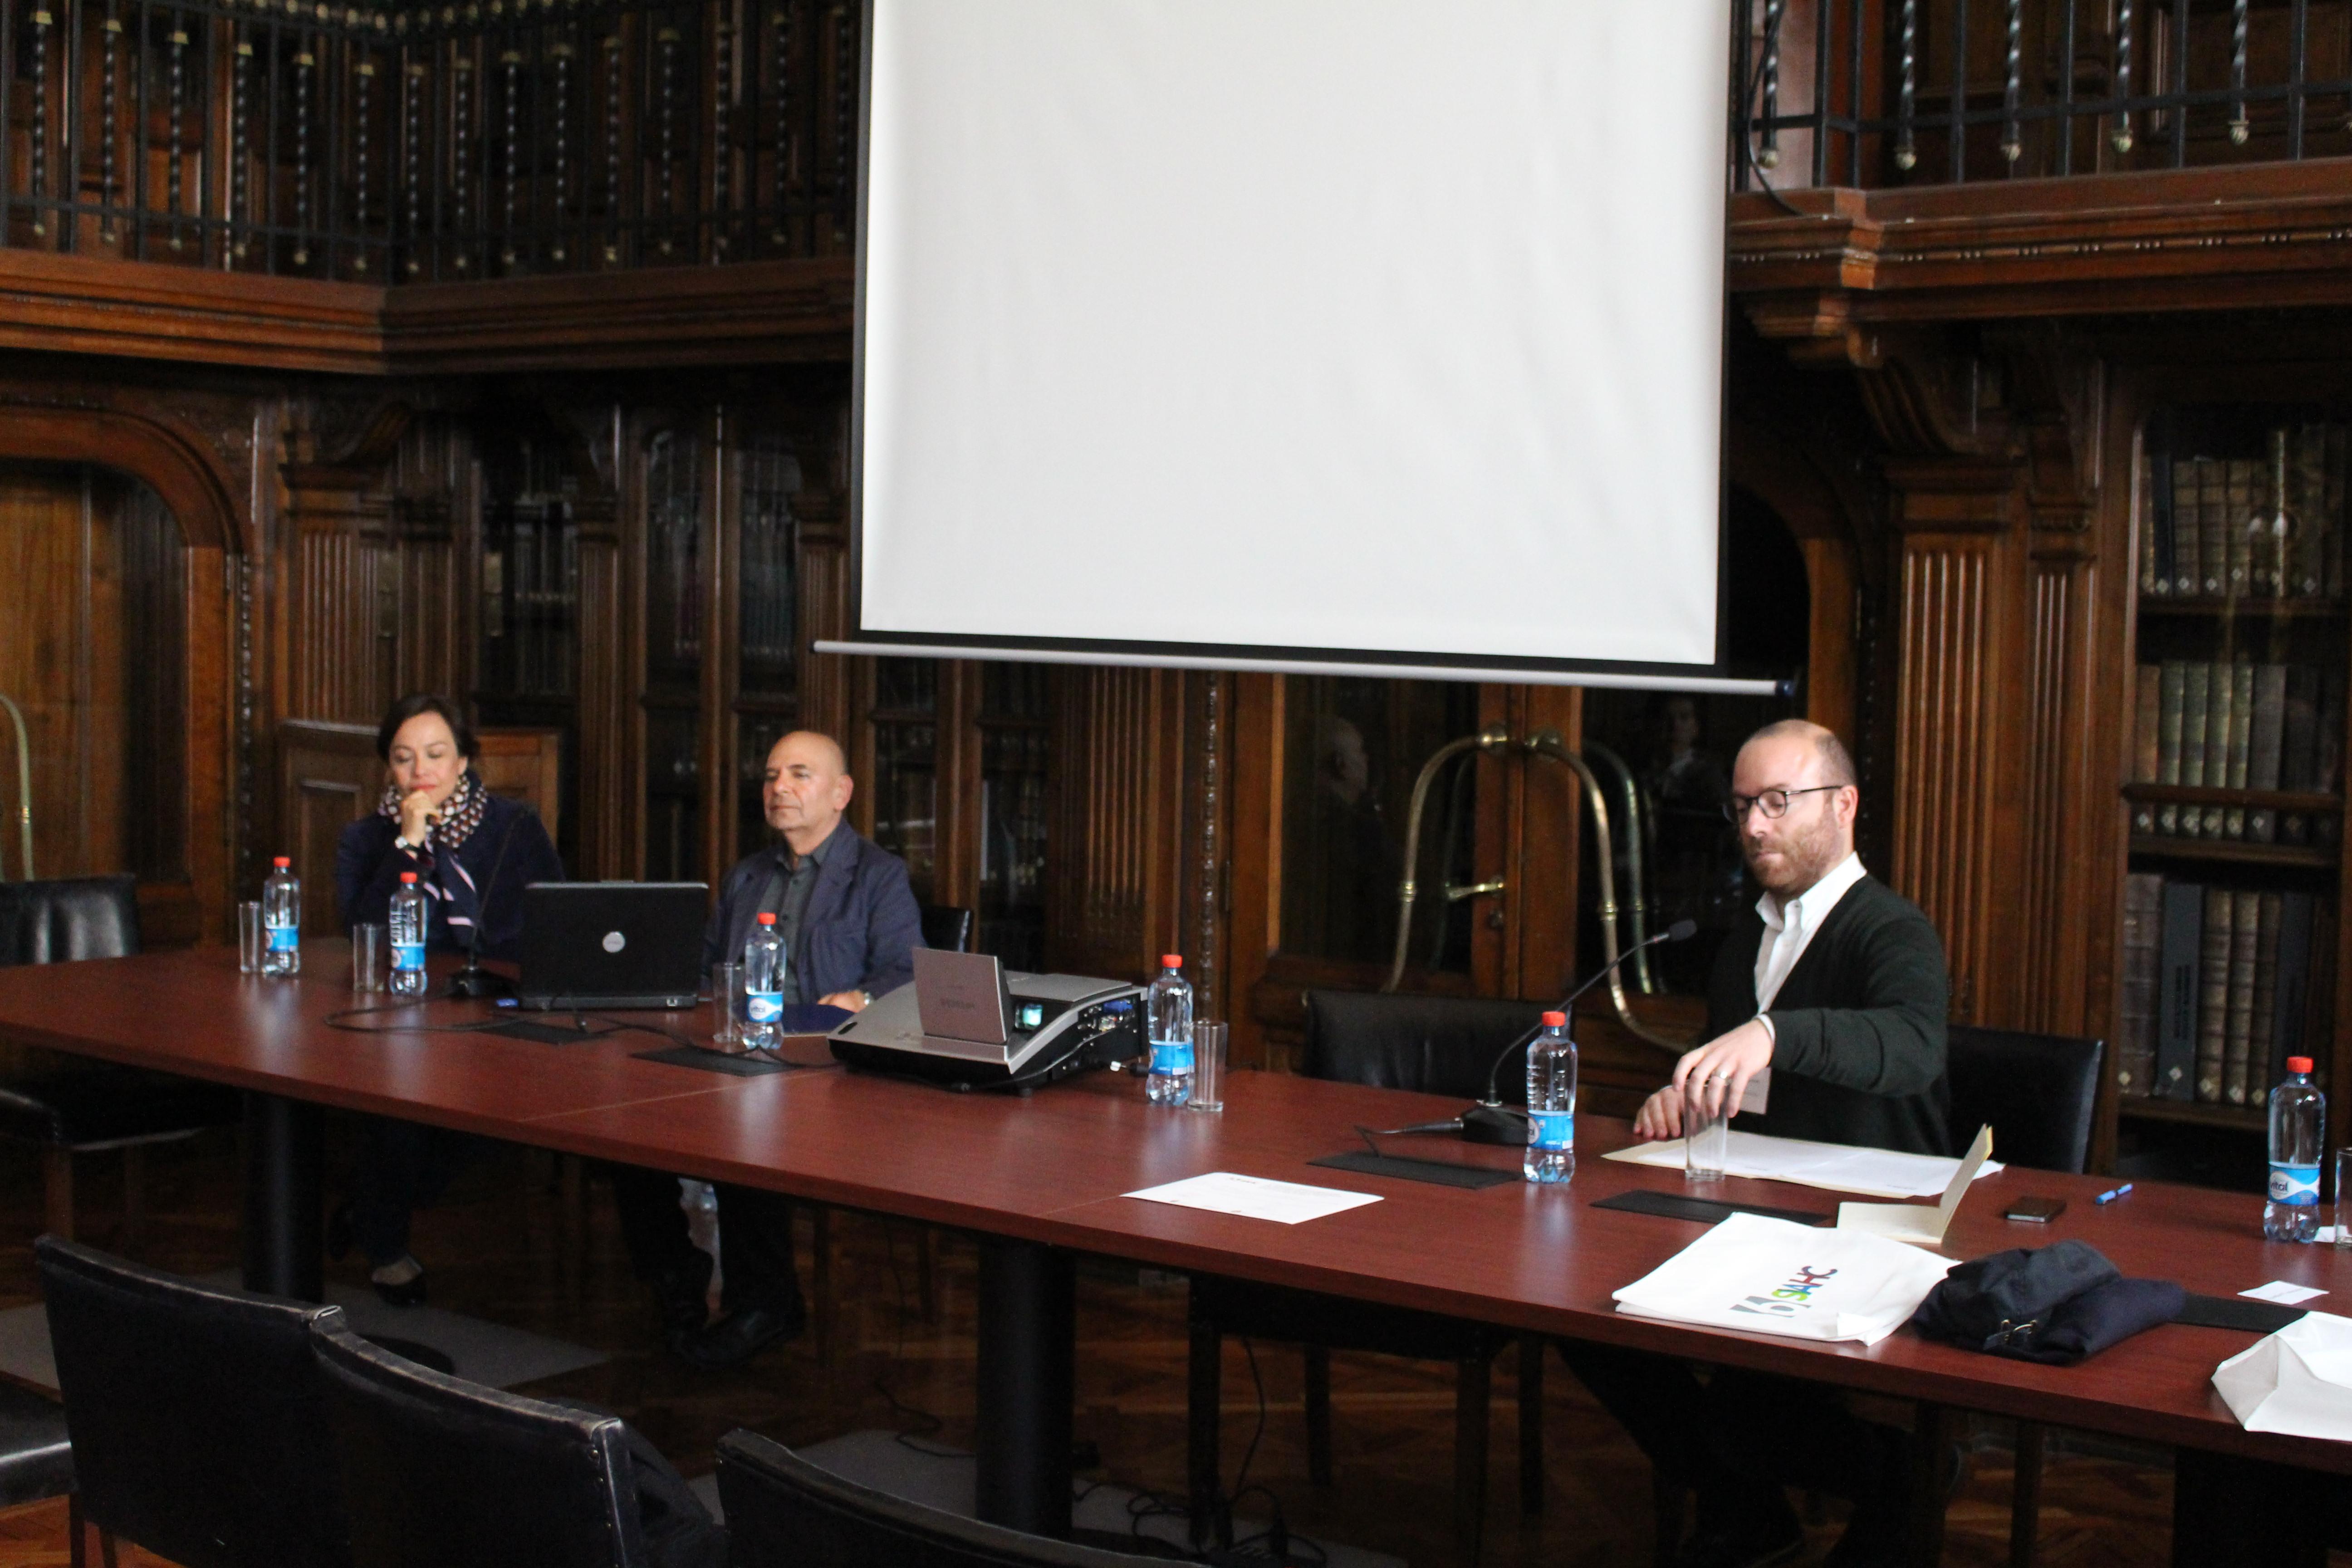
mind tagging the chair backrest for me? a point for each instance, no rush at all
(2037, 1091)
(198, 1427)
(1435, 1045)
(947, 927)
(70, 918)
(443, 1473)
(784, 1512)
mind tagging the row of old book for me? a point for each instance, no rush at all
(2236, 724)
(2219, 989)
(2234, 528)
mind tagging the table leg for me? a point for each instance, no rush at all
(1028, 1316)
(284, 1237)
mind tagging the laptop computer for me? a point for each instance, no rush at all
(612, 945)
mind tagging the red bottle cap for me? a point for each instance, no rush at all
(2298, 1064)
(1555, 1020)
(282, 862)
(408, 876)
(1171, 961)
(766, 920)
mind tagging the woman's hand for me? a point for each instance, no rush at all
(1661, 1116)
(418, 811)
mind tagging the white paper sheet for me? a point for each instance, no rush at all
(2283, 1292)
(2296, 1381)
(1254, 1197)
(1773, 1277)
(1915, 1222)
(1834, 1167)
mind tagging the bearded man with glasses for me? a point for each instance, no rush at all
(1829, 1001)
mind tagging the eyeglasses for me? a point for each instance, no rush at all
(1773, 802)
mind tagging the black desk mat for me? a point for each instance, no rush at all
(1442, 1173)
(2237, 1312)
(714, 1061)
(548, 1034)
(1707, 1211)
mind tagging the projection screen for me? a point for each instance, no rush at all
(1294, 334)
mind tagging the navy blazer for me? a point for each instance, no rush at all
(862, 926)
(506, 853)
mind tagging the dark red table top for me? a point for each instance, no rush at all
(1052, 1168)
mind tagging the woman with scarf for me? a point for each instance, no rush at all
(473, 853)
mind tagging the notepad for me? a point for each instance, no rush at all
(1915, 1222)
(1254, 1197)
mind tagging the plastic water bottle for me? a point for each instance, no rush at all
(1169, 1010)
(1552, 1104)
(408, 921)
(281, 919)
(2298, 1121)
(763, 986)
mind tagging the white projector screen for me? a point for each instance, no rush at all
(1291, 333)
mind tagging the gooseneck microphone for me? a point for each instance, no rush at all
(1490, 1120)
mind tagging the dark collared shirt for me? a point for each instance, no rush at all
(787, 898)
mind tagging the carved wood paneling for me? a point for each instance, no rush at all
(1946, 735)
(1112, 906)
(329, 777)
(825, 613)
(2057, 759)
(341, 665)
(607, 839)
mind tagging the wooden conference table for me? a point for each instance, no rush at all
(1039, 1180)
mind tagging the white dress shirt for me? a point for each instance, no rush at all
(1789, 928)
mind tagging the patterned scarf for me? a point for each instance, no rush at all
(460, 814)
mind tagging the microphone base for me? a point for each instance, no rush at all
(1496, 1124)
(471, 983)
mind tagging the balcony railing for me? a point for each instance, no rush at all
(1884, 92)
(387, 144)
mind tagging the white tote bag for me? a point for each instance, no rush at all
(2297, 1381)
(1776, 1277)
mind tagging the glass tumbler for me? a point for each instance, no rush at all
(250, 938)
(2343, 1208)
(1706, 1140)
(727, 1004)
(1209, 1046)
(368, 948)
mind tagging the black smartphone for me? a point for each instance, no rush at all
(2036, 1211)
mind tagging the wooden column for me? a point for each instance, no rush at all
(1113, 892)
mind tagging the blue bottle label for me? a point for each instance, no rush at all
(763, 1007)
(407, 955)
(2294, 1184)
(1552, 1129)
(282, 938)
(1171, 1056)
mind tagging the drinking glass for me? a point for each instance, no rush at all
(726, 1003)
(367, 957)
(2343, 1208)
(1706, 1139)
(1209, 1044)
(250, 938)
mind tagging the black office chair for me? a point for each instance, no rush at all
(84, 1108)
(37, 1459)
(197, 1427)
(1434, 1045)
(784, 1512)
(947, 927)
(2038, 1093)
(442, 1473)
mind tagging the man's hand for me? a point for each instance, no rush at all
(1661, 1116)
(853, 1000)
(417, 813)
(1715, 1074)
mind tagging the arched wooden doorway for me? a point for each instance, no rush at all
(123, 541)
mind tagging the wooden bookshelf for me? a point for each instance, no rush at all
(2250, 609)
(2198, 795)
(2314, 857)
(2189, 1112)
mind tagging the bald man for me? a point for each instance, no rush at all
(850, 924)
(1835, 984)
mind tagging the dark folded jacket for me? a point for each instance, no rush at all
(2055, 1304)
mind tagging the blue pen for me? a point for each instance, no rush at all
(2110, 1197)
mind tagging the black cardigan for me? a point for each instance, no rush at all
(1859, 1025)
(506, 853)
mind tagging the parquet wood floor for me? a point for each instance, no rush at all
(492, 1249)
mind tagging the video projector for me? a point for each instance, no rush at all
(968, 1023)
